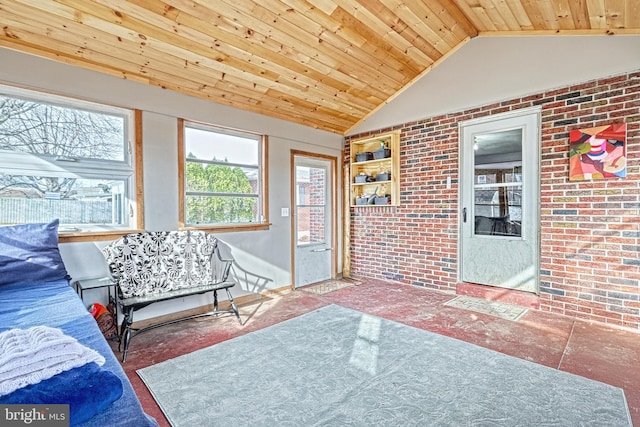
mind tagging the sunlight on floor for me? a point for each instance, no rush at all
(366, 348)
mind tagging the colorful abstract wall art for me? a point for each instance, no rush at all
(598, 153)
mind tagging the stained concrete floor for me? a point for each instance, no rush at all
(596, 351)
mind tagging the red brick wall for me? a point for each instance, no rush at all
(590, 232)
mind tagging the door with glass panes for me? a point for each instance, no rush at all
(313, 219)
(499, 191)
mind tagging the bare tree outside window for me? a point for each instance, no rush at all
(63, 158)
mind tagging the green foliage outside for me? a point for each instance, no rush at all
(217, 178)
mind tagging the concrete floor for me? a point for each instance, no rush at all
(596, 351)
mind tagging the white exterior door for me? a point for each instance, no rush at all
(312, 218)
(499, 192)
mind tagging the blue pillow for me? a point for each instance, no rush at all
(29, 254)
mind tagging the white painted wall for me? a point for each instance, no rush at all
(492, 69)
(264, 254)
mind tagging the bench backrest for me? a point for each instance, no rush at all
(161, 261)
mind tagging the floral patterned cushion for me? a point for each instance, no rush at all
(160, 261)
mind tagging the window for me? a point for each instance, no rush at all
(67, 159)
(223, 177)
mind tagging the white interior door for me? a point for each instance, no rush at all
(312, 220)
(500, 191)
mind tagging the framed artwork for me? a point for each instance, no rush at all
(598, 153)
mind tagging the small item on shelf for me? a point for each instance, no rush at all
(364, 156)
(384, 200)
(383, 176)
(362, 178)
(382, 153)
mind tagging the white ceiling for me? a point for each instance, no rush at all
(490, 69)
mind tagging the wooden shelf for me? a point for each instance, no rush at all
(388, 187)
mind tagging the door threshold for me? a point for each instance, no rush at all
(494, 293)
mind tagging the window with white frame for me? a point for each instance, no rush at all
(67, 159)
(223, 176)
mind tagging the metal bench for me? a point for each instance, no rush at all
(149, 267)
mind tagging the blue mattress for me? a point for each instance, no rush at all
(56, 304)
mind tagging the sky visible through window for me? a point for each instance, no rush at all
(204, 145)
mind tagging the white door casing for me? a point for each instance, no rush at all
(312, 220)
(499, 200)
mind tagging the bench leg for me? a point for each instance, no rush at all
(233, 305)
(127, 321)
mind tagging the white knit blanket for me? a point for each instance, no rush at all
(28, 356)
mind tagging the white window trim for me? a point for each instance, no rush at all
(84, 168)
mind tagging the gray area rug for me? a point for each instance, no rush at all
(339, 367)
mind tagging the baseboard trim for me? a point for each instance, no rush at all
(222, 305)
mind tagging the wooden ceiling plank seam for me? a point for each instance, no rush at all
(521, 15)
(352, 92)
(323, 21)
(485, 18)
(309, 106)
(244, 99)
(306, 68)
(507, 15)
(112, 53)
(564, 14)
(223, 68)
(471, 14)
(425, 23)
(434, 23)
(344, 38)
(329, 92)
(379, 43)
(241, 68)
(381, 84)
(386, 33)
(350, 29)
(534, 14)
(21, 45)
(416, 31)
(350, 60)
(615, 14)
(73, 52)
(579, 14)
(493, 13)
(166, 80)
(341, 61)
(549, 17)
(23, 18)
(459, 22)
(395, 24)
(597, 14)
(327, 6)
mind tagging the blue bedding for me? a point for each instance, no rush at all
(56, 304)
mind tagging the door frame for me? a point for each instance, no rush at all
(334, 208)
(514, 114)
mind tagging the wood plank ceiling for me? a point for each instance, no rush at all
(321, 63)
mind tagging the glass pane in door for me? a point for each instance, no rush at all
(498, 183)
(310, 205)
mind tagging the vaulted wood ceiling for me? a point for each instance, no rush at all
(321, 63)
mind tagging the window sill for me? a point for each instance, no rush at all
(229, 227)
(92, 236)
